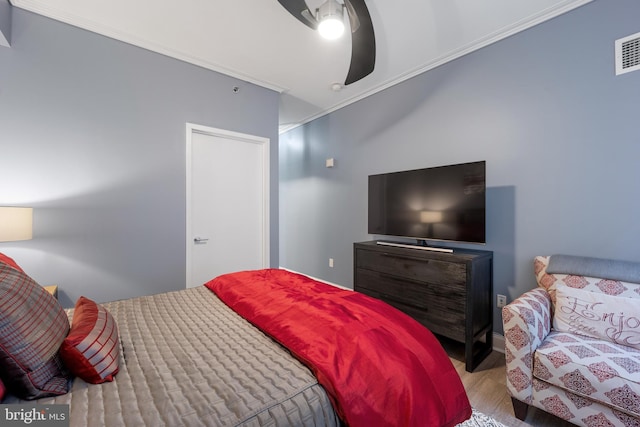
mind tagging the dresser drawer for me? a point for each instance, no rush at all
(449, 297)
(413, 268)
(438, 320)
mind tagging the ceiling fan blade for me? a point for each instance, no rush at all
(354, 22)
(311, 20)
(300, 11)
(363, 42)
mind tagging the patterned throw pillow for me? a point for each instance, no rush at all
(92, 350)
(596, 315)
(32, 327)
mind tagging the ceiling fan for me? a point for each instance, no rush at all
(363, 42)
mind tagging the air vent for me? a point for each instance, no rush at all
(628, 54)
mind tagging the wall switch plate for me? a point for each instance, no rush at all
(501, 300)
(329, 163)
(331, 262)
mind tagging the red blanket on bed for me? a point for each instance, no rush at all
(379, 366)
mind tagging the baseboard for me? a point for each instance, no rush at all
(498, 342)
(315, 278)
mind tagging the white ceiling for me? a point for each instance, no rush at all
(260, 42)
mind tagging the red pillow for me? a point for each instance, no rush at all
(91, 351)
(10, 262)
(33, 325)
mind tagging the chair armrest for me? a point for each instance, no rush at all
(527, 322)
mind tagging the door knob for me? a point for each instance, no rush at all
(200, 240)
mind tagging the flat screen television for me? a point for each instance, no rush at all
(445, 203)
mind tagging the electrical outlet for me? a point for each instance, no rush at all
(331, 262)
(501, 300)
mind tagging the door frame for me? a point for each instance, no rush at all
(264, 143)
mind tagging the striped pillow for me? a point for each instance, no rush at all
(32, 327)
(92, 350)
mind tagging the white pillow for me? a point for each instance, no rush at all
(615, 319)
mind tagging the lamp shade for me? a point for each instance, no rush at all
(15, 224)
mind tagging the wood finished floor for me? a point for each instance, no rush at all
(487, 391)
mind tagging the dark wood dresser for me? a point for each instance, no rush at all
(449, 293)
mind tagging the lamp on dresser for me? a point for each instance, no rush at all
(15, 223)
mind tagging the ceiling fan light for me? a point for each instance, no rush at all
(330, 19)
(331, 28)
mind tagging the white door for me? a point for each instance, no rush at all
(227, 203)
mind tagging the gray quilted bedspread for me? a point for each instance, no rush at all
(189, 360)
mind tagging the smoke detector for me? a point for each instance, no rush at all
(628, 54)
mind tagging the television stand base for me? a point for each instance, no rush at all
(413, 246)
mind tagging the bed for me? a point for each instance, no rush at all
(258, 348)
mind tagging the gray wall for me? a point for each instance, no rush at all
(544, 108)
(93, 136)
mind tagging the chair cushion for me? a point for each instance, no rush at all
(91, 351)
(593, 368)
(32, 327)
(624, 271)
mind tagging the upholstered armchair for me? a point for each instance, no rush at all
(572, 345)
